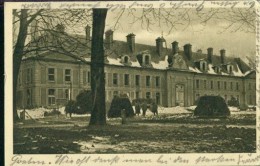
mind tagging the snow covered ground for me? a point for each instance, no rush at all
(38, 113)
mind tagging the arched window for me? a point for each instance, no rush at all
(126, 59)
(203, 66)
(147, 59)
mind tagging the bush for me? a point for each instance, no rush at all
(211, 106)
(118, 104)
(83, 102)
(233, 102)
(70, 107)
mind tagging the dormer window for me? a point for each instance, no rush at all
(217, 69)
(203, 66)
(126, 59)
(147, 59)
(229, 68)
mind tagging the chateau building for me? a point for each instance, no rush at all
(172, 76)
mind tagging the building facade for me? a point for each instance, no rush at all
(171, 77)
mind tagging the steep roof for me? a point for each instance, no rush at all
(76, 46)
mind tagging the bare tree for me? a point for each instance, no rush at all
(169, 19)
(43, 30)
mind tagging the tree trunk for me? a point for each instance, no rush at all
(17, 56)
(98, 112)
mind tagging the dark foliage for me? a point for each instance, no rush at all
(233, 102)
(71, 107)
(84, 102)
(211, 106)
(119, 103)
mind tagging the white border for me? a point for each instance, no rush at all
(51, 158)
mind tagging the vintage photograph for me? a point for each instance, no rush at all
(139, 79)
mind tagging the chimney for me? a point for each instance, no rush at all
(210, 54)
(87, 30)
(109, 38)
(188, 51)
(131, 42)
(175, 48)
(222, 56)
(159, 45)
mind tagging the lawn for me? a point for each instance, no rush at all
(166, 133)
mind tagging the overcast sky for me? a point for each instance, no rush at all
(199, 36)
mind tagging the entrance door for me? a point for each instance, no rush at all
(179, 95)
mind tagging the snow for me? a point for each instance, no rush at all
(114, 61)
(162, 64)
(87, 59)
(135, 64)
(211, 71)
(238, 72)
(194, 70)
(36, 113)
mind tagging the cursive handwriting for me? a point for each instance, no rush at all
(18, 160)
(204, 159)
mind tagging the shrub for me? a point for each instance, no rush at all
(233, 102)
(83, 102)
(70, 107)
(118, 104)
(211, 106)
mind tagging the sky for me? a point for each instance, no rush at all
(200, 36)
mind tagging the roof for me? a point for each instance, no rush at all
(76, 46)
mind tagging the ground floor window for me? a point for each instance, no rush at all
(137, 95)
(51, 96)
(29, 97)
(158, 98)
(148, 95)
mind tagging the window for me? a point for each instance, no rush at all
(126, 59)
(126, 79)
(197, 84)
(67, 94)
(88, 77)
(203, 65)
(148, 95)
(158, 97)
(230, 69)
(115, 82)
(148, 81)
(137, 95)
(238, 98)
(205, 84)
(231, 85)
(51, 73)
(211, 84)
(157, 81)
(237, 86)
(197, 96)
(67, 75)
(29, 75)
(225, 85)
(29, 97)
(51, 96)
(147, 60)
(137, 80)
(217, 69)
(218, 84)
